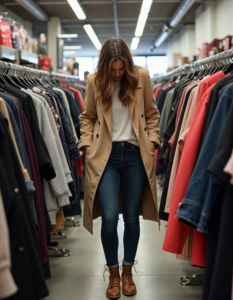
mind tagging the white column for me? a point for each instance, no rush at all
(205, 21)
(169, 55)
(188, 45)
(224, 18)
(173, 47)
(54, 29)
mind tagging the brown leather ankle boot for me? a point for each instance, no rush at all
(113, 290)
(129, 288)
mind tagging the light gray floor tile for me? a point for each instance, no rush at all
(80, 276)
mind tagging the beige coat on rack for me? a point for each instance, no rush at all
(96, 131)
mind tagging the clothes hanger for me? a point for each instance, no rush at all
(218, 62)
(14, 78)
(2, 68)
(31, 78)
(37, 79)
(228, 67)
(27, 77)
(8, 73)
(206, 70)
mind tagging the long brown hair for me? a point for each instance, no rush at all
(112, 50)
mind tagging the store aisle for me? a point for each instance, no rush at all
(80, 276)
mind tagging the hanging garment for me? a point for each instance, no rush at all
(15, 36)
(162, 214)
(198, 205)
(176, 229)
(187, 119)
(40, 209)
(220, 222)
(5, 34)
(44, 160)
(56, 190)
(26, 262)
(7, 283)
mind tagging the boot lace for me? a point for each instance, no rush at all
(113, 277)
(128, 275)
(105, 269)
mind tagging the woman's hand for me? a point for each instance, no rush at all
(87, 148)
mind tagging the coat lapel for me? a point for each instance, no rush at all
(107, 113)
(134, 115)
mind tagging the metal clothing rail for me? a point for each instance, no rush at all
(10, 69)
(220, 59)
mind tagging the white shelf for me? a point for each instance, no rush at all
(9, 54)
(28, 57)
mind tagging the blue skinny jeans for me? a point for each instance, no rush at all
(124, 168)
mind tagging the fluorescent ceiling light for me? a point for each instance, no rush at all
(63, 36)
(93, 37)
(161, 39)
(68, 53)
(77, 9)
(135, 42)
(72, 47)
(141, 24)
(146, 5)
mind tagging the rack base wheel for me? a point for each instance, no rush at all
(52, 251)
(192, 280)
(58, 235)
(72, 220)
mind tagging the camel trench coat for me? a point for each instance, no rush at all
(96, 132)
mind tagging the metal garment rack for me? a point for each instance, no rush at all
(9, 69)
(218, 60)
(13, 70)
(223, 58)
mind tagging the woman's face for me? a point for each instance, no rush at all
(118, 69)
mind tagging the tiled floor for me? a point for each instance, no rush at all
(80, 276)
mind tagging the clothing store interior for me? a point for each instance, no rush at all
(47, 50)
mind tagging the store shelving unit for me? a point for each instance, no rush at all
(9, 54)
(18, 57)
(27, 58)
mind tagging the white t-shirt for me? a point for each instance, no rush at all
(122, 129)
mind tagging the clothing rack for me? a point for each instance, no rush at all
(15, 70)
(219, 59)
(10, 69)
(214, 62)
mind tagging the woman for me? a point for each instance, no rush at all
(119, 133)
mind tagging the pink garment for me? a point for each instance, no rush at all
(229, 168)
(187, 250)
(187, 119)
(23, 39)
(202, 51)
